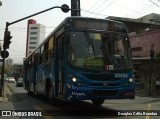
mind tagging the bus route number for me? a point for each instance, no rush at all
(120, 75)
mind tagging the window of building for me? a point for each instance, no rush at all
(136, 49)
(33, 27)
(31, 47)
(33, 42)
(33, 38)
(33, 33)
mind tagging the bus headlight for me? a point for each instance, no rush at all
(74, 79)
(130, 80)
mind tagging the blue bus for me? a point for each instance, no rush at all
(82, 59)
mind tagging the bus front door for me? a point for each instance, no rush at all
(61, 67)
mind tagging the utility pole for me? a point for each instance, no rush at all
(151, 65)
(65, 8)
(0, 3)
(75, 6)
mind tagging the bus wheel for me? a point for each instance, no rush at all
(28, 90)
(50, 93)
(97, 102)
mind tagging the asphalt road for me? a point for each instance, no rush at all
(121, 109)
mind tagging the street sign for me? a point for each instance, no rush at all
(4, 55)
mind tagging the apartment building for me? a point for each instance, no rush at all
(35, 35)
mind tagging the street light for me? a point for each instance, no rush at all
(65, 8)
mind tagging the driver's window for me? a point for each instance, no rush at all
(78, 44)
(120, 47)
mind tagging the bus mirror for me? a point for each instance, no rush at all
(66, 38)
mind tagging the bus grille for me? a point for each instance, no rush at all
(101, 84)
(105, 92)
(101, 77)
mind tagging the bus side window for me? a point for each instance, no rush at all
(37, 56)
(41, 53)
(29, 62)
(33, 59)
(44, 53)
(26, 65)
(51, 48)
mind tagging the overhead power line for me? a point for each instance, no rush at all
(154, 3)
(92, 6)
(106, 7)
(133, 13)
(98, 6)
(104, 15)
(2, 28)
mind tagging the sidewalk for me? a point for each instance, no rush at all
(142, 93)
(4, 97)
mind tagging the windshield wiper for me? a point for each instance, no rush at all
(90, 42)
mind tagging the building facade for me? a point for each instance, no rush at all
(142, 44)
(9, 66)
(30, 21)
(35, 35)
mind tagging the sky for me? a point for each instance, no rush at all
(12, 10)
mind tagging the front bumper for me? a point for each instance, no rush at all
(86, 93)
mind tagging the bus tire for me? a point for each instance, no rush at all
(28, 90)
(98, 102)
(49, 93)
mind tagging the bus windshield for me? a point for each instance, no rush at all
(99, 51)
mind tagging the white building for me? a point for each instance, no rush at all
(8, 65)
(36, 35)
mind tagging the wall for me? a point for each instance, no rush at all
(141, 44)
(144, 67)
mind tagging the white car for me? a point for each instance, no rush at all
(11, 80)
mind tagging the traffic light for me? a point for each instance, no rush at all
(7, 40)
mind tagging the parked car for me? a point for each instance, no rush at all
(19, 82)
(6, 79)
(11, 80)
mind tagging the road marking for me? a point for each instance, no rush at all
(148, 110)
(38, 108)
